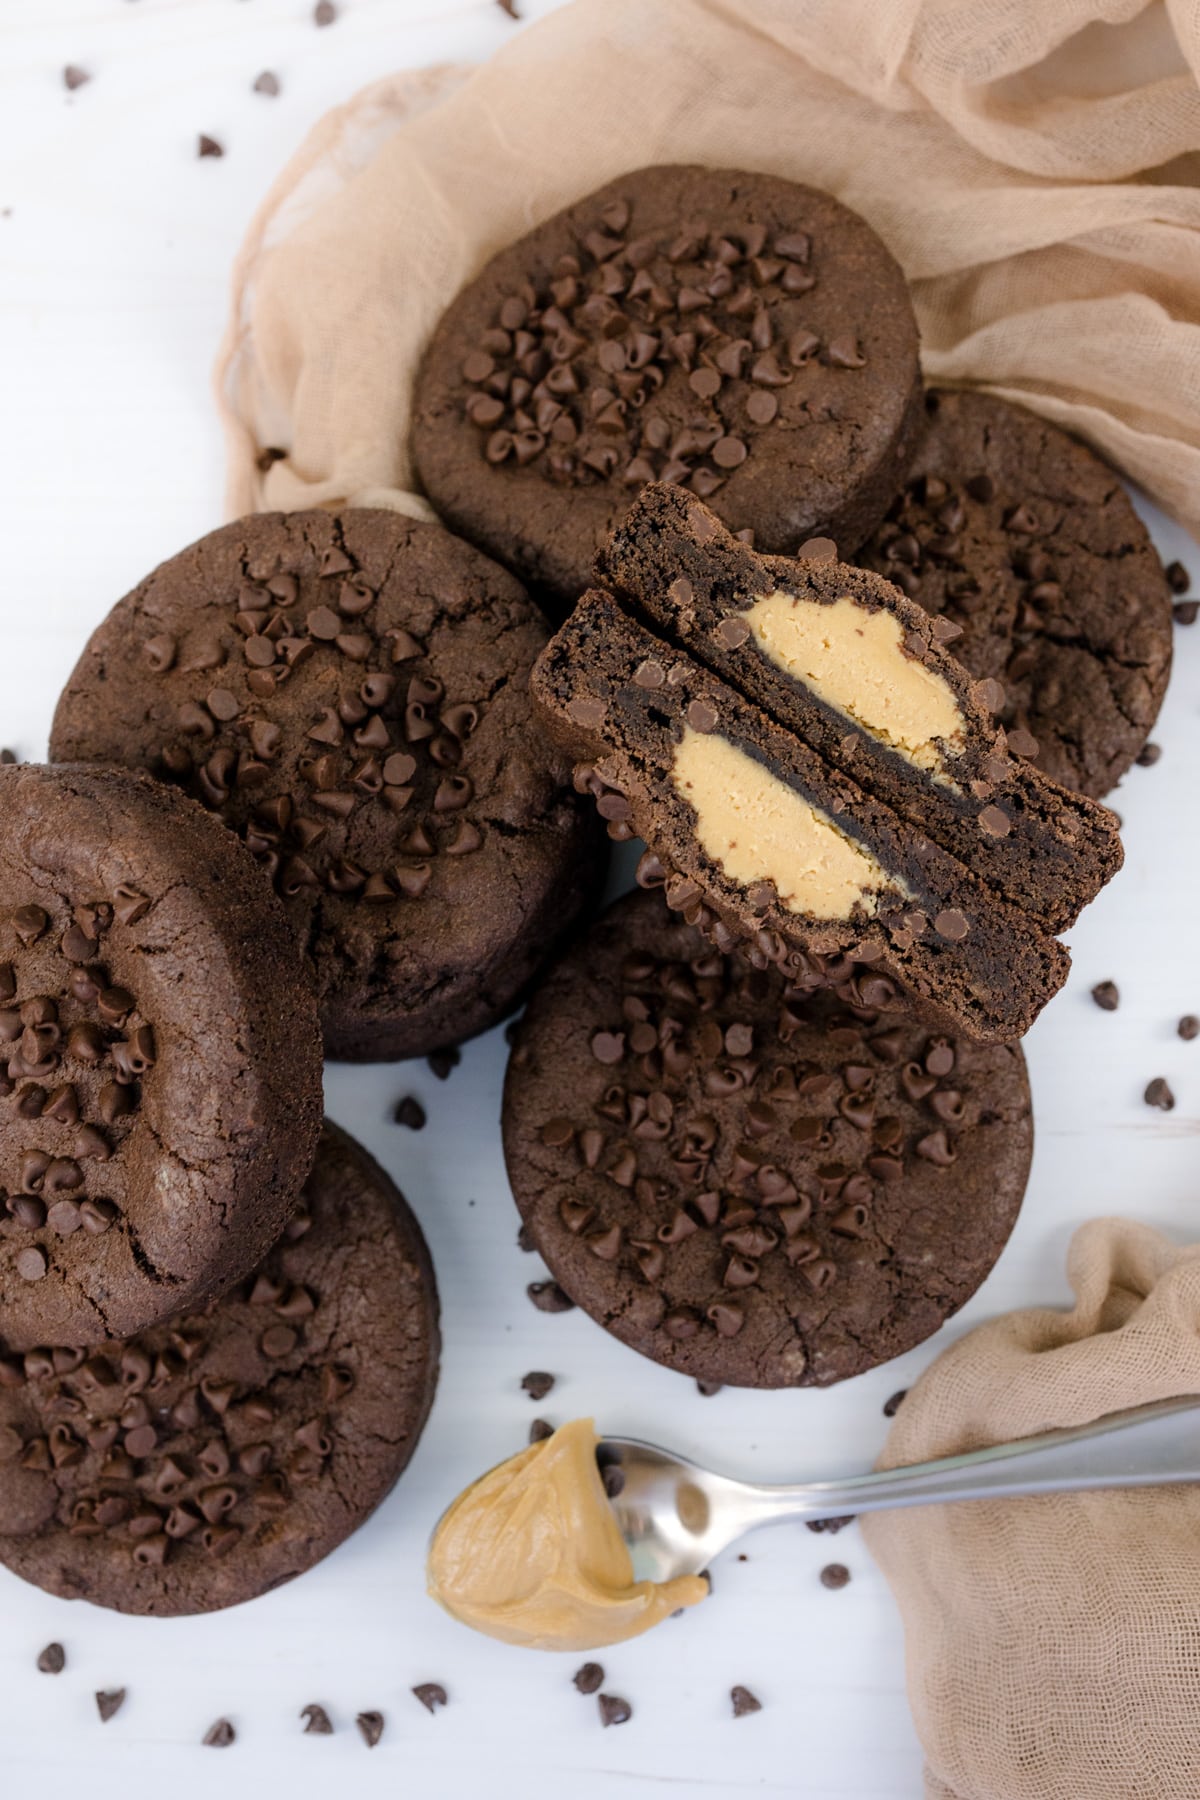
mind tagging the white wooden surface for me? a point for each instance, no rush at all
(115, 243)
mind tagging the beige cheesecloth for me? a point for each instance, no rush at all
(1033, 164)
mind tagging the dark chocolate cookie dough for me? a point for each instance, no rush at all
(748, 1182)
(160, 1062)
(210, 1459)
(349, 693)
(732, 332)
(1020, 535)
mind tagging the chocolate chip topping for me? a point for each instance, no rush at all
(1189, 1027)
(614, 1710)
(431, 1694)
(1158, 1093)
(589, 1679)
(52, 1660)
(109, 1703)
(220, 1735)
(537, 1384)
(835, 1575)
(317, 1722)
(1107, 996)
(370, 1725)
(744, 1702)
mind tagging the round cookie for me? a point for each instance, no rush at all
(738, 334)
(213, 1458)
(160, 1059)
(1026, 540)
(349, 693)
(747, 1182)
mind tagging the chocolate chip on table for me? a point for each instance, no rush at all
(1178, 579)
(324, 13)
(589, 1678)
(834, 1575)
(208, 146)
(548, 1297)
(317, 1722)
(833, 1525)
(8, 757)
(1148, 755)
(1159, 1094)
(524, 1240)
(1185, 612)
(219, 1735)
(370, 1724)
(443, 1061)
(540, 1430)
(53, 1660)
(1188, 1027)
(892, 1404)
(614, 1710)
(109, 1703)
(509, 7)
(709, 1388)
(431, 1694)
(267, 83)
(410, 1112)
(744, 1702)
(537, 1383)
(1107, 996)
(74, 77)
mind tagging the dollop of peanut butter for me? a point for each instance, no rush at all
(531, 1554)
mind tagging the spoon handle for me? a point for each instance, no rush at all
(1144, 1446)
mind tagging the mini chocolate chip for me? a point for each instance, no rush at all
(109, 1703)
(1178, 579)
(995, 822)
(410, 1112)
(219, 1735)
(951, 925)
(370, 1724)
(1189, 1027)
(324, 13)
(1186, 612)
(1107, 996)
(761, 406)
(539, 1430)
(589, 1679)
(891, 1405)
(833, 1525)
(537, 1384)
(701, 716)
(1148, 755)
(317, 1722)
(548, 1297)
(209, 146)
(31, 1263)
(442, 1062)
(267, 83)
(744, 1702)
(834, 1575)
(431, 1694)
(1158, 1093)
(614, 1710)
(53, 1660)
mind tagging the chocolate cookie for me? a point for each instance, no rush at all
(160, 1061)
(213, 1458)
(749, 338)
(349, 693)
(1021, 536)
(745, 1181)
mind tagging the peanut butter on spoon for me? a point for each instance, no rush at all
(531, 1554)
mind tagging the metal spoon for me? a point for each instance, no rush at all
(676, 1517)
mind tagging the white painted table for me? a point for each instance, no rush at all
(115, 242)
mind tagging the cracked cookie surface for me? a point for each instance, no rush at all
(160, 1072)
(217, 1456)
(348, 692)
(749, 1182)
(1019, 534)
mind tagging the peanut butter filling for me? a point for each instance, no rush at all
(855, 661)
(760, 829)
(531, 1554)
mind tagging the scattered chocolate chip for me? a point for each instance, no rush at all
(744, 1702)
(709, 1388)
(838, 1522)
(443, 1061)
(524, 1240)
(208, 146)
(8, 757)
(109, 1703)
(1178, 579)
(317, 1722)
(267, 83)
(891, 1405)
(1188, 1027)
(509, 8)
(370, 1724)
(540, 1430)
(431, 1694)
(614, 1710)
(219, 1735)
(547, 1296)
(834, 1575)
(1148, 755)
(410, 1112)
(1107, 996)
(537, 1384)
(53, 1660)
(1158, 1093)
(324, 13)
(590, 1678)
(74, 77)
(1186, 612)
